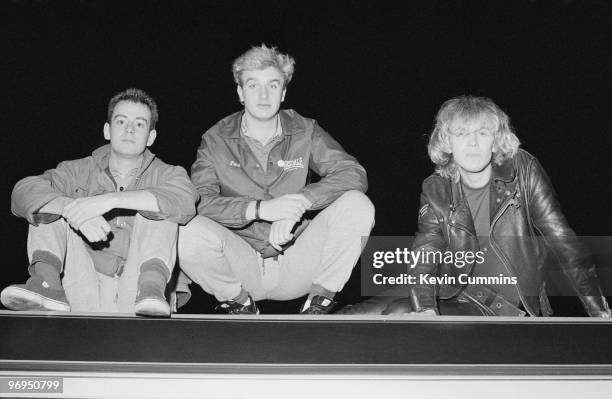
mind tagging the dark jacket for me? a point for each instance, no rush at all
(522, 205)
(228, 177)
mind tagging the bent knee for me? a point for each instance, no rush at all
(199, 231)
(358, 206)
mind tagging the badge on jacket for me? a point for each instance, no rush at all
(291, 165)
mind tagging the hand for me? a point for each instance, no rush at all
(95, 229)
(280, 233)
(82, 209)
(289, 206)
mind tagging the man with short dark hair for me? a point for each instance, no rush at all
(103, 229)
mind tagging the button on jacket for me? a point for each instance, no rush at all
(228, 175)
(522, 205)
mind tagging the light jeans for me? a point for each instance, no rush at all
(90, 291)
(222, 263)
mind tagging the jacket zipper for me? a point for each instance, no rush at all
(500, 254)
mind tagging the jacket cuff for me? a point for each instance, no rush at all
(171, 208)
(44, 218)
(423, 298)
(309, 196)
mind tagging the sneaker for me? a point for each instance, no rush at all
(35, 294)
(233, 307)
(150, 301)
(319, 304)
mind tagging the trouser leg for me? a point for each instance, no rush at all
(150, 240)
(326, 252)
(80, 280)
(218, 260)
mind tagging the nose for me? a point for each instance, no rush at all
(130, 127)
(263, 92)
(472, 140)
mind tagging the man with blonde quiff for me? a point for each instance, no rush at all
(254, 237)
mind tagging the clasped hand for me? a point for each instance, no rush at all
(280, 233)
(85, 215)
(289, 206)
(284, 212)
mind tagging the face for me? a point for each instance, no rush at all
(128, 131)
(471, 143)
(262, 92)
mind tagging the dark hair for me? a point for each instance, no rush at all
(135, 96)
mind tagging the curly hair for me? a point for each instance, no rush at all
(262, 57)
(505, 144)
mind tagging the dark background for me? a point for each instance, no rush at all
(372, 73)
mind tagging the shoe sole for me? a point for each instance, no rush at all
(152, 307)
(19, 299)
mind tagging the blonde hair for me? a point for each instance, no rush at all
(505, 142)
(262, 57)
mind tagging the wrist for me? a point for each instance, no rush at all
(250, 211)
(257, 210)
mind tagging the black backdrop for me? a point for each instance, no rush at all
(372, 73)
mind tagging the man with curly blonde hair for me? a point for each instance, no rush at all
(490, 198)
(253, 238)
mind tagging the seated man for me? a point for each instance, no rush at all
(108, 222)
(252, 240)
(489, 198)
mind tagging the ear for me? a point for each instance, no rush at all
(283, 95)
(152, 137)
(240, 94)
(106, 131)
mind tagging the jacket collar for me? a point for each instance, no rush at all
(504, 172)
(500, 175)
(102, 154)
(290, 122)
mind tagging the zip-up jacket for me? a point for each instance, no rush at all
(228, 175)
(90, 176)
(523, 204)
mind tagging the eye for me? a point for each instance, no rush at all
(119, 122)
(274, 86)
(251, 85)
(140, 125)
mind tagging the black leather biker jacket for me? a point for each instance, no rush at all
(528, 231)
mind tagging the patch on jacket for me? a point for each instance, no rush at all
(423, 210)
(291, 164)
(234, 164)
